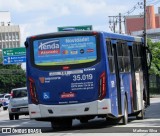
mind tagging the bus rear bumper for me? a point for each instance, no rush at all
(98, 107)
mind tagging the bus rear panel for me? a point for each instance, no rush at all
(67, 76)
(84, 74)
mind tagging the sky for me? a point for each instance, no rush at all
(44, 16)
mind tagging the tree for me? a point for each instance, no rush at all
(11, 76)
(155, 50)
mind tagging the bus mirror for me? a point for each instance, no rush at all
(26, 44)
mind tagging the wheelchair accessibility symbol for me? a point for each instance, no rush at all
(46, 95)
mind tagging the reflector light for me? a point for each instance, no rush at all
(102, 86)
(65, 67)
(104, 108)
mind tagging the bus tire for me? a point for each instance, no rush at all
(125, 116)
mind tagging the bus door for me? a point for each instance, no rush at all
(117, 72)
(133, 78)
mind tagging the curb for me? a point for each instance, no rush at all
(155, 96)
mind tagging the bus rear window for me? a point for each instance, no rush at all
(65, 50)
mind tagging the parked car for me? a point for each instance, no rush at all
(1, 98)
(5, 101)
(18, 103)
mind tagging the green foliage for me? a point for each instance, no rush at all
(155, 50)
(154, 91)
(11, 76)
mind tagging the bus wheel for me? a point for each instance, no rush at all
(125, 117)
(61, 123)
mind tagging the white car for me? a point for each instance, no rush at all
(18, 104)
(1, 98)
(5, 101)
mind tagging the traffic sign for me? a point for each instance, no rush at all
(14, 51)
(14, 55)
(75, 28)
(14, 59)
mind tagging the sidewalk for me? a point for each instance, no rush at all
(155, 96)
(2, 112)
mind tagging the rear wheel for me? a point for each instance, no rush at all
(11, 116)
(4, 108)
(125, 117)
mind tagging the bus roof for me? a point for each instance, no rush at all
(106, 34)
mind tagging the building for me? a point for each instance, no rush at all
(134, 25)
(9, 34)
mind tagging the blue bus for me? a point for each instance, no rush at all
(86, 74)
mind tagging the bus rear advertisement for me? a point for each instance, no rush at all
(86, 74)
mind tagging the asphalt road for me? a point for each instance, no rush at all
(150, 125)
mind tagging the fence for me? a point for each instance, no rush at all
(154, 84)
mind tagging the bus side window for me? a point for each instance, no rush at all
(110, 56)
(120, 57)
(137, 48)
(140, 56)
(126, 59)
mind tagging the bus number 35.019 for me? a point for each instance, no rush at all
(82, 77)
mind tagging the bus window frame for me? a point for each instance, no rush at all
(123, 56)
(71, 66)
(110, 55)
(137, 56)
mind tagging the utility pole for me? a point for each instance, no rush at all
(145, 24)
(113, 23)
(120, 27)
(146, 64)
(113, 20)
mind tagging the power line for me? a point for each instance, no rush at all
(139, 5)
(114, 20)
(155, 3)
(150, 1)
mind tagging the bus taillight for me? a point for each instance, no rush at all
(102, 86)
(32, 89)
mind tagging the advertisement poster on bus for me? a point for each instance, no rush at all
(65, 50)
